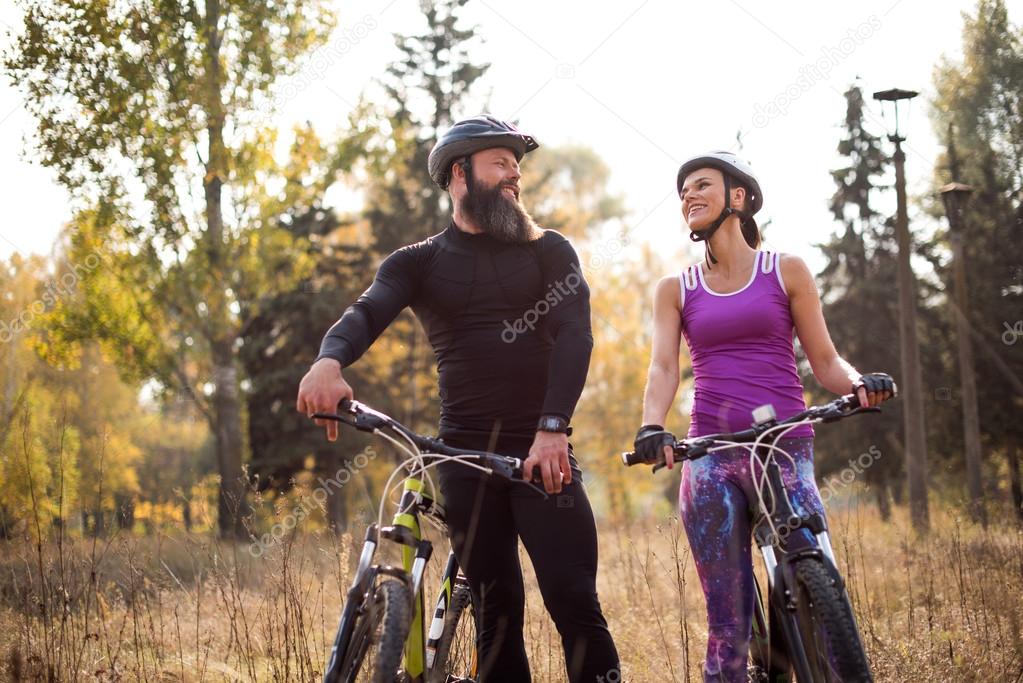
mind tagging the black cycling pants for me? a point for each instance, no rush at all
(486, 517)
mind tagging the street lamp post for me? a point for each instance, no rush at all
(955, 195)
(912, 385)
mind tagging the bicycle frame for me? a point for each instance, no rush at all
(415, 501)
(405, 529)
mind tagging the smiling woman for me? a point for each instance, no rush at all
(738, 317)
(704, 184)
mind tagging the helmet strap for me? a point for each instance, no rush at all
(706, 234)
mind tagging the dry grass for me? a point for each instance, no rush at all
(189, 608)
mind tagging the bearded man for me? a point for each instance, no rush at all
(506, 309)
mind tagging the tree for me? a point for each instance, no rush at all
(567, 191)
(177, 456)
(286, 327)
(137, 106)
(857, 292)
(426, 89)
(979, 103)
(612, 401)
(38, 446)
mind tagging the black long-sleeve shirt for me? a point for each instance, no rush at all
(509, 326)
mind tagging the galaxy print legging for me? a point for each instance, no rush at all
(716, 500)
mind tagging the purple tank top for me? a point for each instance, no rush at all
(741, 345)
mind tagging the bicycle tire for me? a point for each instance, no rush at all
(460, 661)
(827, 626)
(384, 622)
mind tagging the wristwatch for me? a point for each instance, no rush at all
(554, 423)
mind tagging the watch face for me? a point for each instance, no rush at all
(552, 424)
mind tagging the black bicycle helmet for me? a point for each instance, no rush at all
(472, 135)
(732, 168)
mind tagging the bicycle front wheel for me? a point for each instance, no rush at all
(378, 636)
(827, 627)
(456, 650)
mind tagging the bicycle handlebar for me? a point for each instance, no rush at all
(696, 447)
(367, 419)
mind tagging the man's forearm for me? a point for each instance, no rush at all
(337, 343)
(569, 365)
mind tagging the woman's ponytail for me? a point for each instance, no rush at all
(751, 232)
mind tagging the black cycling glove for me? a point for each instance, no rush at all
(876, 382)
(650, 442)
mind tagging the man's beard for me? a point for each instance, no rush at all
(495, 214)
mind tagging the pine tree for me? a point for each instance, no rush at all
(858, 288)
(979, 108)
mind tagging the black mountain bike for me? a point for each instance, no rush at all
(811, 630)
(381, 636)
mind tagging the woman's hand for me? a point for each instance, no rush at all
(874, 388)
(653, 443)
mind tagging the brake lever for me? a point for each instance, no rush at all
(512, 469)
(840, 414)
(529, 482)
(336, 417)
(659, 465)
(364, 421)
(538, 489)
(688, 454)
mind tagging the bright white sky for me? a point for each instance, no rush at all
(644, 83)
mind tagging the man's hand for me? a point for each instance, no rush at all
(549, 452)
(321, 390)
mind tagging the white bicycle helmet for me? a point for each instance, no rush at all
(733, 169)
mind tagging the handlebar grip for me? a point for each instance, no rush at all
(345, 406)
(517, 472)
(632, 458)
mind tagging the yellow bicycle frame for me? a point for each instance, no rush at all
(407, 516)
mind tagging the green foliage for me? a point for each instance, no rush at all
(978, 111)
(859, 296)
(137, 106)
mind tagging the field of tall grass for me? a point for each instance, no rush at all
(192, 608)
